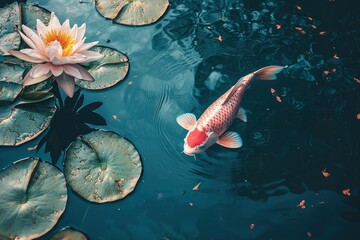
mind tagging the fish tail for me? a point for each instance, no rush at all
(268, 73)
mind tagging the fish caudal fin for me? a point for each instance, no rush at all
(230, 140)
(186, 120)
(268, 73)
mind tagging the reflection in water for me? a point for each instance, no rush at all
(70, 120)
(287, 144)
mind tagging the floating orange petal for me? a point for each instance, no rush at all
(313, 26)
(299, 28)
(130, 83)
(278, 26)
(326, 72)
(333, 70)
(310, 18)
(357, 80)
(346, 192)
(302, 204)
(322, 33)
(298, 8)
(272, 90)
(252, 226)
(309, 234)
(191, 204)
(219, 38)
(278, 99)
(336, 56)
(114, 117)
(358, 116)
(325, 173)
(196, 186)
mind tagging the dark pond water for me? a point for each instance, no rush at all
(179, 65)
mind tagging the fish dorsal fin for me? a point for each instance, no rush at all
(230, 140)
(186, 120)
(233, 90)
(242, 114)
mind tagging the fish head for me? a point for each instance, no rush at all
(197, 141)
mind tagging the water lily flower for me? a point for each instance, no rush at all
(58, 50)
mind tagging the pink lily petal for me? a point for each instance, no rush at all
(91, 56)
(80, 32)
(54, 50)
(78, 72)
(57, 70)
(73, 31)
(40, 46)
(67, 84)
(40, 70)
(24, 57)
(77, 46)
(34, 54)
(87, 46)
(28, 80)
(65, 27)
(28, 41)
(54, 22)
(41, 28)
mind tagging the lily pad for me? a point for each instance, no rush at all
(132, 12)
(9, 19)
(10, 81)
(70, 234)
(33, 197)
(24, 113)
(102, 166)
(108, 71)
(31, 12)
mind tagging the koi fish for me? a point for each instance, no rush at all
(212, 125)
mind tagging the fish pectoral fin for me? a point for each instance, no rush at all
(242, 114)
(230, 140)
(186, 120)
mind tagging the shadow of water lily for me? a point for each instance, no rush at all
(69, 121)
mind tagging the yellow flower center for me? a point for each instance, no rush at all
(65, 40)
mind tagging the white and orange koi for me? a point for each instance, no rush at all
(212, 125)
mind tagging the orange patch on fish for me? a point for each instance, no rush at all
(196, 138)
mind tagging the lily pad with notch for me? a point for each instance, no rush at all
(102, 166)
(12, 16)
(69, 233)
(108, 71)
(132, 12)
(33, 198)
(24, 112)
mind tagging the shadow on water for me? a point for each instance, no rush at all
(312, 127)
(70, 121)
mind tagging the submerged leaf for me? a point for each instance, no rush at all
(33, 197)
(69, 233)
(138, 12)
(102, 166)
(108, 71)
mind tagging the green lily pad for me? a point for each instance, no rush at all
(132, 12)
(33, 197)
(10, 81)
(70, 234)
(108, 71)
(31, 12)
(102, 166)
(24, 113)
(9, 19)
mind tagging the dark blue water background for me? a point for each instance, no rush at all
(178, 65)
